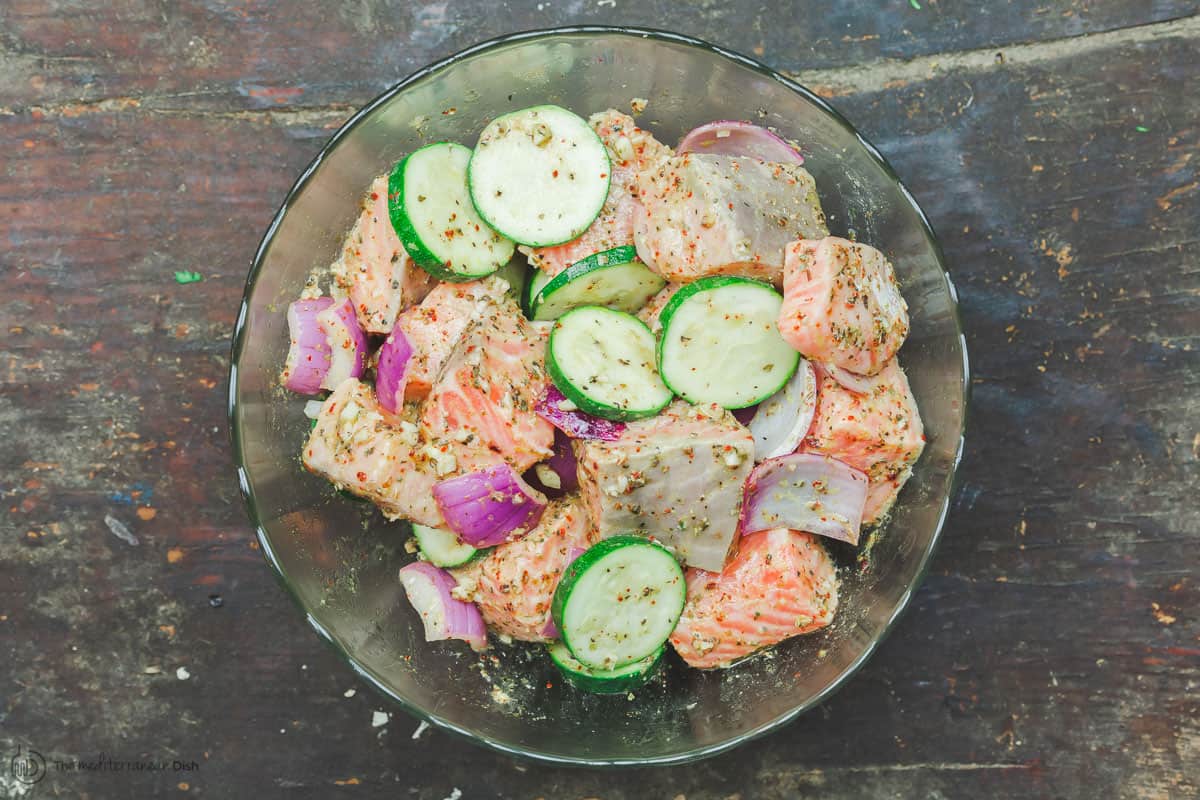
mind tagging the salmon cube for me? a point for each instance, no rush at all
(361, 449)
(780, 584)
(435, 327)
(676, 477)
(707, 214)
(374, 268)
(484, 399)
(877, 431)
(842, 304)
(514, 584)
(630, 149)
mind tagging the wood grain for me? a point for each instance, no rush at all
(1054, 650)
(256, 54)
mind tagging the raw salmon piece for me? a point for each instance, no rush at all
(374, 268)
(654, 306)
(878, 432)
(483, 402)
(357, 448)
(514, 584)
(780, 584)
(435, 327)
(707, 214)
(677, 477)
(630, 149)
(842, 304)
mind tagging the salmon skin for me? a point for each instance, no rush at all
(676, 477)
(723, 215)
(780, 584)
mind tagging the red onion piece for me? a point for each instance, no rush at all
(783, 419)
(550, 630)
(563, 462)
(444, 616)
(733, 138)
(391, 374)
(308, 354)
(850, 381)
(744, 415)
(805, 492)
(575, 424)
(557, 475)
(347, 343)
(485, 506)
(541, 477)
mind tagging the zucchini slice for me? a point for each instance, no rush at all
(539, 175)
(619, 602)
(443, 548)
(435, 220)
(720, 342)
(603, 362)
(614, 279)
(604, 681)
(537, 279)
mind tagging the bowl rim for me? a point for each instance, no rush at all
(247, 492)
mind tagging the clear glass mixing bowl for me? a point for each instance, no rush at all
(339, 559)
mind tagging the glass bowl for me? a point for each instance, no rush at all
(338, 558)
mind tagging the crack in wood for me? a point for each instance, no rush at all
(890, 73)
(865, 78)
(879, 769)
(308, 116)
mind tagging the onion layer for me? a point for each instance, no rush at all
(573, 423)
(563, 463)
(851, 381)
(732, 138)
(557, 475)
(445, 617)
(805, 492)
(744, 415)
(308, 353)
(391, 374)
(347, 343)
(783, 419)
(485, 506)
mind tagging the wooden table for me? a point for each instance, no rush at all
(1054, 649)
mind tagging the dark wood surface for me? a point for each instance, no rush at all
(1054, 649)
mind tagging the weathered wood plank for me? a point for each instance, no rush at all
(263, 55)
(1054, 650)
